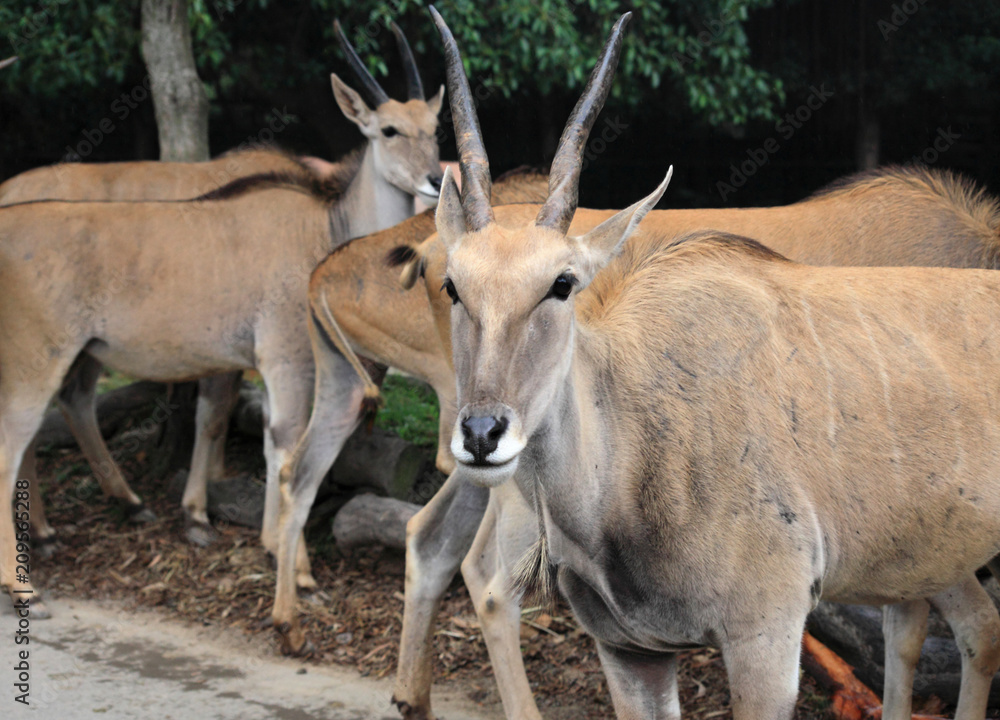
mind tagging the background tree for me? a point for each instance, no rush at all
(702, 84)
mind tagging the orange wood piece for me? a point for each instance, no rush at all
(852, 699)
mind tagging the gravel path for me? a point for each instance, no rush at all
(94, 661)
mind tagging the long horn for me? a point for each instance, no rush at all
(564, 176)
(376, 95)
(8, 61)
(475, 165)
(414, 88)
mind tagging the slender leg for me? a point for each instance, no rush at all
(22, 407)
(437, 538)
(42, 534)
(335, 415)
(904, 626)
(763, 667)
(506, 533)
(216, 398)
(973, 618)
(643, 687)
(288, 393)
(78, 402)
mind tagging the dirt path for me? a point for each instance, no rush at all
(95, 661)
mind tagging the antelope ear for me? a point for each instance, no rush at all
(599, 246)
(353, 107)
(435, 102)
(450, 216)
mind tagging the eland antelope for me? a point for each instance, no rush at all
(356, 305)
(217, 284)
(888, 217)
(139, 180)
(712, 437)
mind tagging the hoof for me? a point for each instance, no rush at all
(411, 713)
(45, 547)
(306, 651)
(39, 611)
(305, 581)
(294, 642)
(200, 534)
(139, 514)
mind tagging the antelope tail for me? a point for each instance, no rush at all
(372, 400)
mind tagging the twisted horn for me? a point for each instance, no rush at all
(414, 88)
(564, 177)
(475, 165)
(376, 95)
(8, 61)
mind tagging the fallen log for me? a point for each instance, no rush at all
(852, 699)
(373, 520)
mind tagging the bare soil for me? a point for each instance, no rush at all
(355, 617)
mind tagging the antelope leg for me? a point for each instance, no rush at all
(23, 399)
(437, 538)
(41, 532)
(762, 661)
(77, 400)
(507, 532)
(973, 618)
(643, 687)
(216, 398)
(335, 414)
(904, 626)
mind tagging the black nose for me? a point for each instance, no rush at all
(436, 182)
(482, 435)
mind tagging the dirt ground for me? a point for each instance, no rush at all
(354, 619)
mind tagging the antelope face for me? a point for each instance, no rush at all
(512, 290)
(512, 331)
(402, 134)
(406, 149)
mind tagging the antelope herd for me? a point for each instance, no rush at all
(676, 419)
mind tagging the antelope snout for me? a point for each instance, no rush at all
(481, 436)
(486, 442)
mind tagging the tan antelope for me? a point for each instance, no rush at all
(139, 180)
(153, 180)
(713, 437)
(893, 216)
(216, 285)
(357, 305)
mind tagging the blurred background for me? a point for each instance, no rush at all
(754, 103)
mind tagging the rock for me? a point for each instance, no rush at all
(371, 520)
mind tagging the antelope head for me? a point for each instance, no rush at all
(403, 135)
(513, 289)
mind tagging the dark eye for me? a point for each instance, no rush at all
(390, 131)
(563, 286)
(449, 287)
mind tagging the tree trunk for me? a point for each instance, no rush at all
(178, 95)
(182, 124)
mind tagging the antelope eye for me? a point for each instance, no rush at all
(563, 286)
(390, 132)
(449, 287)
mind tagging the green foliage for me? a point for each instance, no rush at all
(692, 51)
(411, 411)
